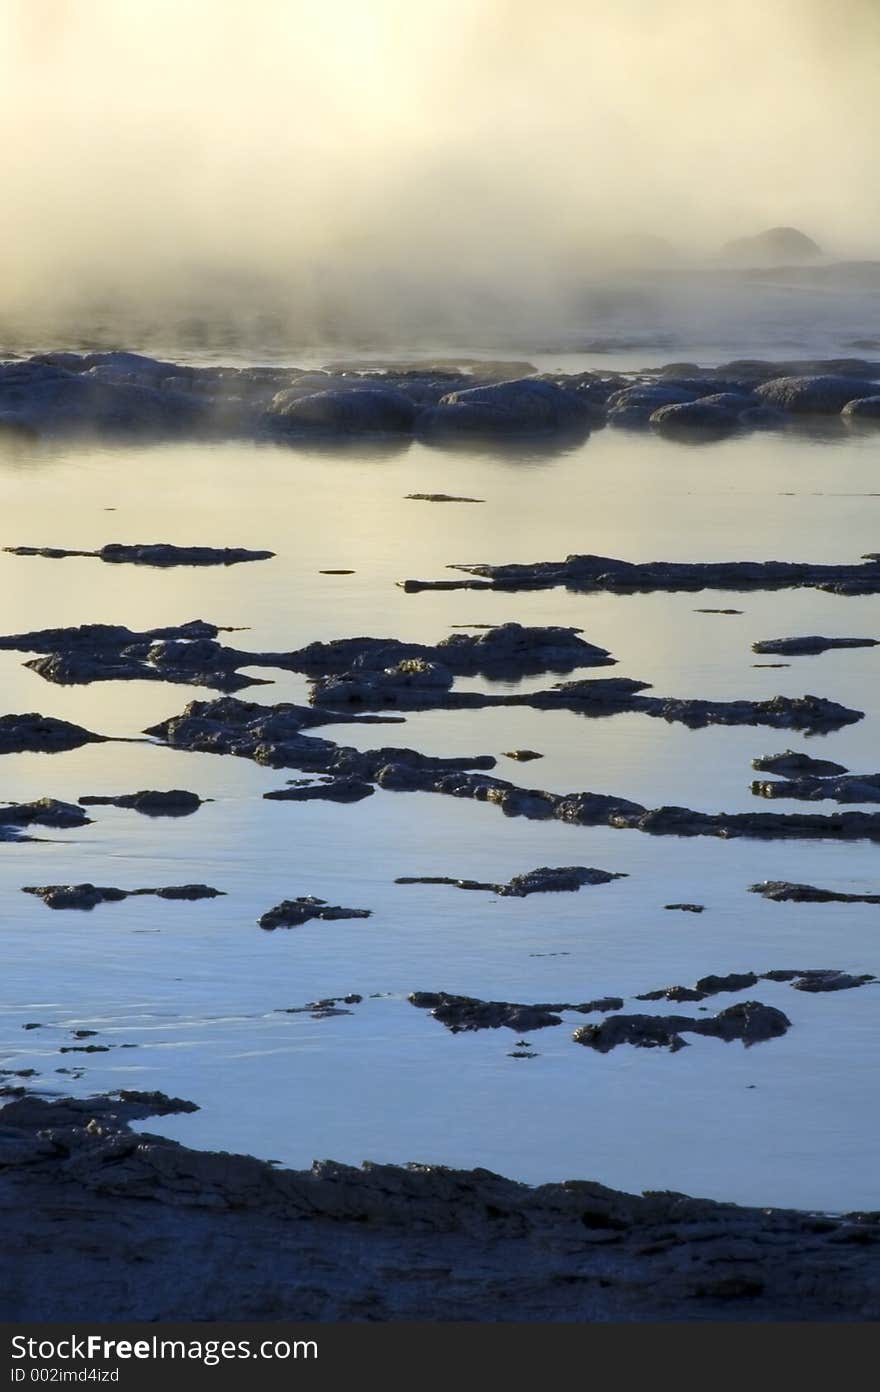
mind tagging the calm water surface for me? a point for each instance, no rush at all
(201, 991)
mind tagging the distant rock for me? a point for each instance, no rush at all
(777, 246)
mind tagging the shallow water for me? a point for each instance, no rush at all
(201, 991)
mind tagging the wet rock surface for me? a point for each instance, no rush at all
(333, 790)
(794, 647)
(292, 913)
(604, 573)
(784, 891)
(845, 787)
(273, 735)
(45, 811)
(463, 1013)
(33, 733)
(544, 880)
(410, 1242)
(791, 761)
(88, 896)
(748, 1021)
(160, 553)
(175, 802)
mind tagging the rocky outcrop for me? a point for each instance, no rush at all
(824, 394)
(210, 1237)
(160, 553)
(750, 1021)
(461, 1013)
(603, 573)
(292, 913)
(45, 811)
(845, 787)
(44, 734)
(793, 762)
(528, 406)
(784, 891)
(330, 790)
(176, 802)
(88, 896)
(358, 410)
(778, 246)
(545, 880)
(796, 647)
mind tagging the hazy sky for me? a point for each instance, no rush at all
(145, 138)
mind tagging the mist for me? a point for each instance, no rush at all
(374, 169)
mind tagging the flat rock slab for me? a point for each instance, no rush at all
(441, 498)
(160, 554)
(88, 896)
(333, 790)
(784, 891)
(845, 787)
(461, 1013)
(605, 573)
(544, 880)
(176, 802)
(793, 762)
(814, 644)
(750, 1021)
(292, 913)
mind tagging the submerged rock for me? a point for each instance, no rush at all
(461, 1013)
(88, 896)
(160, 553)
(750, 1021)
(782, 891)
(544, 880)
(794, 647)
(176, 802)
(292, 913)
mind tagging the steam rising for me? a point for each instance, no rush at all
(360, 167)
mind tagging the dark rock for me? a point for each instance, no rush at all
(687, 908)
(176, 802)
(603, 573)
(87, 896)
(291, 913)
(42, 734)
(523, 756)
(710, 416)
(749, 1021)
(820, 981)
(160, 554)
(441, 498)
(794, 647)
(542, 881)
(528, 406)
(863, 408)
(793, 762)
(824, 394)
(333, 790)
(846, 787)
(354, 410)
(461, 1013)
(635, 405)
(783, 891)
(44, 811)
